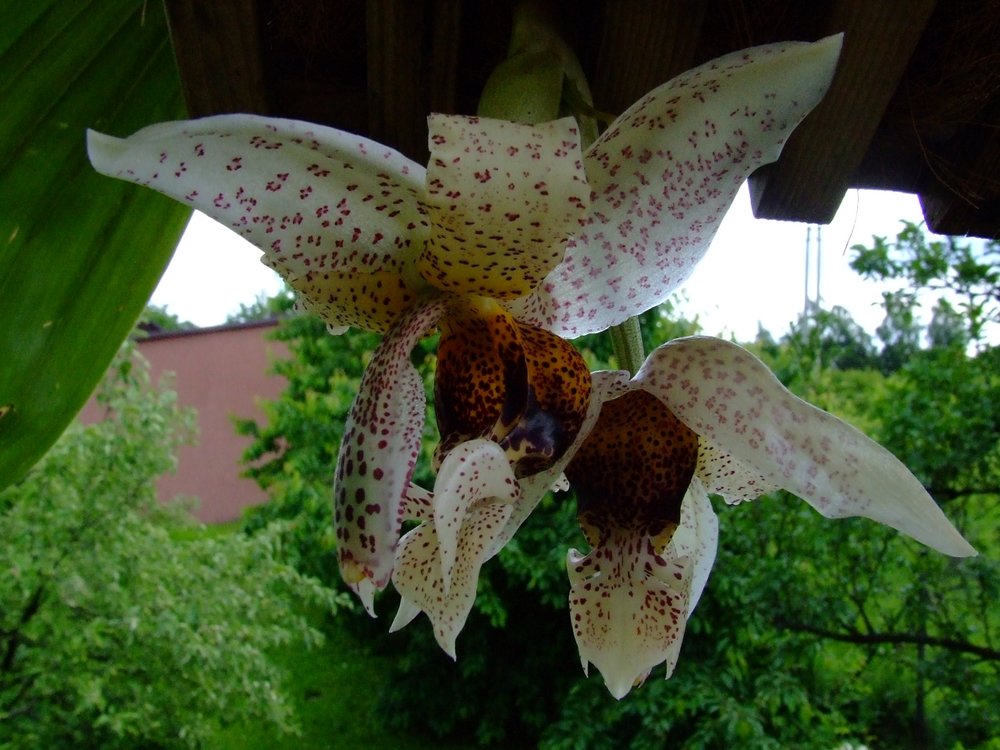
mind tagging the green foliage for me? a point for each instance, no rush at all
(971, 272)
(942, 413)
(293, 453)
(818, 341)
(116, 634)
(335, 689)
(157, 318)
(264, 307)
(80, 252)
(811, 633)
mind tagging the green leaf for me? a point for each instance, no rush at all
(79, 253)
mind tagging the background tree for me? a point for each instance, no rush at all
(157, 318)
(117, 631)
(265, 307)
(810, 634)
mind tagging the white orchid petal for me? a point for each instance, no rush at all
(724, 474)
(697, 539)
(405, 614)
(628, 607)
(418, 577)
(504, 198)
(339, 216)
(365, 590)
(723, 392)
(472, 471)
(664, 174)
(417, 504)
(379, 451)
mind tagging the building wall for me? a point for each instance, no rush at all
(223, 373)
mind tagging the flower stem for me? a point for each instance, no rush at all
(627, 341)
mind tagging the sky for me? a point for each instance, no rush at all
(753, 273)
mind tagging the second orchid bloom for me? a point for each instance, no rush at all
(511, 239)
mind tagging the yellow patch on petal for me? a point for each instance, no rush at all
(371, 301)
(519, 386)
(633, 469)
(503, 199)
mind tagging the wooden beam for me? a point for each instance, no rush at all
(643, 43)
(397, 102)
(822, 155)
(445, 39)
(965, 198)
(217, 49)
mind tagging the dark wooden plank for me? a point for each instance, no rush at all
(820, 159)
(397, 100)
(217, 48)
(643, 43)
(965, 198)
(445, 40)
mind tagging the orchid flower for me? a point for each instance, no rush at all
(706, 416)
(510, 239)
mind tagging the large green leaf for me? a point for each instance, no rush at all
(79, 253)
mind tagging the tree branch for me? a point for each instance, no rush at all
(14, 636)
(944, 494)
(855, 636)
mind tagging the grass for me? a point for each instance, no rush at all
(335, 690)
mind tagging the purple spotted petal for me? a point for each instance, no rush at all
(628, 605)
(664, 174)
(417, 504)
(696, 538)
(722, 473)
(339, 216)
(472, 471)
(503, 200)
(377, 455)
(437, 565)
(727, 395)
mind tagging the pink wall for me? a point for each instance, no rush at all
(221, 372)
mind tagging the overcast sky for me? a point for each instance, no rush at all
(754, 271)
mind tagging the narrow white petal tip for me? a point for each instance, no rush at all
(365, 589)
(102, 149)
(831, 44)
(406, 613)
(619, 678)
(956, 545)
(828, 48)
(448, 646)
(618, 688)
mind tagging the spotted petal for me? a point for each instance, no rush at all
(696, 538)
(722, 473)
(727, 395)
(437, 566)
(503, 199)
(377, 455)
(664, 174)
(628, 606)
(339, 216)
(473, 471)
